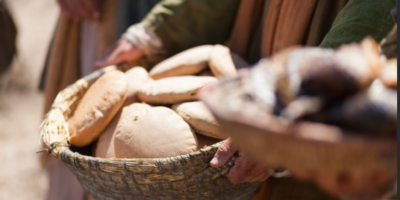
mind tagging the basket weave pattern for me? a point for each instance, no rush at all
(183, 177)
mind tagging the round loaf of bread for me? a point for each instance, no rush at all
(223, 62)
(389, 73)
(174, 89)
(188, 62)
(200, 119)
(156, 132)
(105, 144)
(137, 77)
(97, 108)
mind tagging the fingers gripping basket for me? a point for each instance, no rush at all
(182, 177)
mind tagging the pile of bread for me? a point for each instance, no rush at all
(156, 114)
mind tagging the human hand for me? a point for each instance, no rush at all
(121, 51)
(80, 9)
(373, 185)
(244, 169)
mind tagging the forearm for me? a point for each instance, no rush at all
(182, 24)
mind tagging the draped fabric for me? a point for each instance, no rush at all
(62, 70)
(286, 23)
(248, 16)
(63, 65)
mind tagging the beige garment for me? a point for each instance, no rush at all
(63, 183)
(64, 69)
(88, 46)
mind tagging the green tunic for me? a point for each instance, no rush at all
(182, 24)
(360, 18)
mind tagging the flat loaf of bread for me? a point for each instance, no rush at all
(105, 144)
(200, 119)
(174, 89)
(156, 132)
(137, 77)
(389, 73)
(188, 62)
(97, 108)
(223, 62)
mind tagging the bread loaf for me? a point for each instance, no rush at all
(389, 73)
(156, 132)
(223, 62)
(137, 77)
(188, 62)
(200, 119)
(173, 90)
(97, 108)
(105, 144)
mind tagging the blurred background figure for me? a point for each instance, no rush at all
(7, 37)
(26, 27)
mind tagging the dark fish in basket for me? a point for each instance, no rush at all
(372, 112)
(329, 74)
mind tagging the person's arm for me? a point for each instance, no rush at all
(182, 24)
(173, 26)
(80, 9)
(358, 19)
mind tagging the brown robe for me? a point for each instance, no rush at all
(286, 23)
(283, 23)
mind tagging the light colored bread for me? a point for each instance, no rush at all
(137, 77)
(223, 62)
(389, 73)
(200, 119)
(97, 108)
(105, 144)
(156, 132)
(188, 62)
(205, 141)
(173, 90)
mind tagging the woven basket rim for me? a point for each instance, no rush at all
(138, 161)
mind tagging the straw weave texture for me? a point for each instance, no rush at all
(183, 177)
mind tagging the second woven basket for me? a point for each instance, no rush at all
(183, 177)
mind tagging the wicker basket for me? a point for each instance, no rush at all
(182, 177)
(277, 142)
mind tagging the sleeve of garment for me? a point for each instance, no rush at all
(182, 24)
(358, 19)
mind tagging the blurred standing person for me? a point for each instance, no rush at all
(7, 37)
(85, 28)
